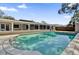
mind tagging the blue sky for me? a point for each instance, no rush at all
(36, 11)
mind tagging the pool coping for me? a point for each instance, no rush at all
(71, 48)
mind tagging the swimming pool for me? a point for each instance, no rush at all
(47, 43)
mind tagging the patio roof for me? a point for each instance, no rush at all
(21, 21)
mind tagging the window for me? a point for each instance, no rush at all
(40, 26)
(36, 26)
(32, 27)
(26, 27)
(48, 27)
(44, 26)
(16, 26)
(2, 26)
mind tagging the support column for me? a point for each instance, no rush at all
(50, 27)
(12, 25)
(5, 27)
(0, 27)
(53, 28)
(46, 27)
(34, 27)
(28, 26)
(21, 26)
(38, 27)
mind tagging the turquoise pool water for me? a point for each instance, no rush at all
(47, 43)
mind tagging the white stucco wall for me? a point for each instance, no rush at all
(77, 26)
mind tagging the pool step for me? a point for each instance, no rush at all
(13, 51)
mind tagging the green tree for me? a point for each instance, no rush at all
(68, 8)
(75, 18)
(71, 8)
(8, 17)
(43, 22)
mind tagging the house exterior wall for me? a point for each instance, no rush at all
(77, 27)
(22, 28)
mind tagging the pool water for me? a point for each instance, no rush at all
(47, 43)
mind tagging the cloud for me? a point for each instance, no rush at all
(8, 9)
(22, 6)
(67, 17)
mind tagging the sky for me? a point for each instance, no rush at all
(38, 12)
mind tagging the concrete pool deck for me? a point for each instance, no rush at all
(2, 39)
(72, 48)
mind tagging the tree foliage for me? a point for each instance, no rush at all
(8, 17)
(75, 17)
(43, 22)
(68, 8)
(72, 8)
